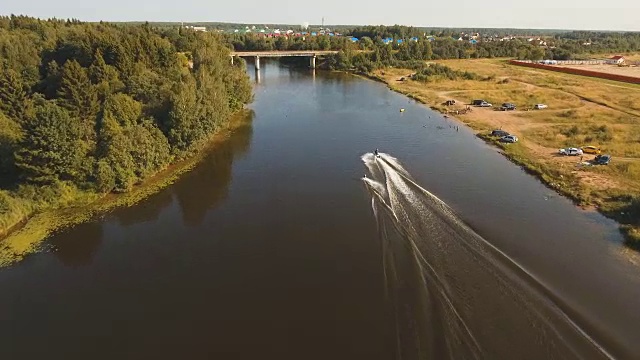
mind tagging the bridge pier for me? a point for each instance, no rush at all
(312, 62)
(257, 62)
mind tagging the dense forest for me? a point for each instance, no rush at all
(95, 108)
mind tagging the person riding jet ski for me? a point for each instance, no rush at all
(376, 153)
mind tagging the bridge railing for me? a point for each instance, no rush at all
(282, 53)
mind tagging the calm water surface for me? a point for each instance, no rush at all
(269, 249)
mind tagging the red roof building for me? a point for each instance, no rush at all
(618, 59)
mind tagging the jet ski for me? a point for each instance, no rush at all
(376, 153)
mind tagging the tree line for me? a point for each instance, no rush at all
(442, 44)
(100, 107)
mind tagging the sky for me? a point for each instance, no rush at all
(533, 14)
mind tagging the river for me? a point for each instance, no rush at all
(270, 249)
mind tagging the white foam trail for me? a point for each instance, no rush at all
(395, 164)
(395, 180)
(376, 186)
(453, 260)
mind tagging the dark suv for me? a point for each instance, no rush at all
(508, 106)
(499, 133)
(602, 160)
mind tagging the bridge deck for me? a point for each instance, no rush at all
(282, 53)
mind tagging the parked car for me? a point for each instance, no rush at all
(591, 150)
(571, 151)
(485, 104)
(450, 102)
(540, 106)
(602, 160)
(508, 106)
(509, 139)
(477, 102)
(499, 133)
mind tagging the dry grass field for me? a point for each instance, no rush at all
(581, 111)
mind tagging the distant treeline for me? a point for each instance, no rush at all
(345, 28)
(411, 43)
(95, 108)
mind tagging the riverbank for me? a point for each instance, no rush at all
(581, 112)
(28, 233)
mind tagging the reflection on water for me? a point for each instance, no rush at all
(146, 211)
(213, 176)
(78, 248)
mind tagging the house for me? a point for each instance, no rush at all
(387, 40)
(414, 39)
(197, 28)
(616, 60)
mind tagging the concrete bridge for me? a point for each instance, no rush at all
(311, 54)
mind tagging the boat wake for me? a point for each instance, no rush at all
(452, 294)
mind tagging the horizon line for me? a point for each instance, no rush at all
(327, 25)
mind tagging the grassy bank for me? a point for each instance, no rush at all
(582, 111)
(26, 228)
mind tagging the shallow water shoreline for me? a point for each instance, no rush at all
(630, 233)
(27, 235)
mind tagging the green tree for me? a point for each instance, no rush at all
(114, 153)
(282, 43)
(12, 94)
(50, 149)
(324, 43)
(105, 77)
(536, 53)
(427, 50)
(79, 97)
(51, 83)
(366, 43)
(130, 148)
(10, 135)
(150, 149)
(123, 109)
